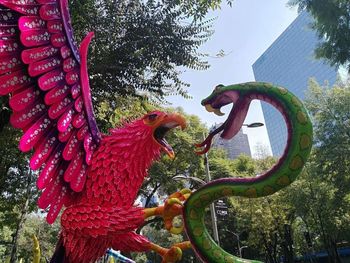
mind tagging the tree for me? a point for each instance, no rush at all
(319, 197)
(17, 187)
(330, 161)
(46, 234)
(139, 46)
(219, 164)
(199, 8)
(322, 215)
(329, 108)
(332, 24)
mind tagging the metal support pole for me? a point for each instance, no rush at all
(212, 208)
(240, 251)
(239, 246)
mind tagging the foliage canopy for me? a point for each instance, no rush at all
(139, 46)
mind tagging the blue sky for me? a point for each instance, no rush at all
(244, 32)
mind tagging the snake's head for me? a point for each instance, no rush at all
(222, 96)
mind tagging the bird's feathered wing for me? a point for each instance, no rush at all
(46, 75)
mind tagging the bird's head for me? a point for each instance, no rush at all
(159, 123)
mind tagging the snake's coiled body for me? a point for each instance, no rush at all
(281, 175)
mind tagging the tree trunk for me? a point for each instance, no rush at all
(320, 222)
(335, 253)
(21, 220)
(5, 112)
(268, 249)
(288, 244)
(149, 197)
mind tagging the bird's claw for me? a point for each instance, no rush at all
(182, 195)
(173, 207)
(173, 254)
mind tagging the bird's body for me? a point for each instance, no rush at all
(104, 216)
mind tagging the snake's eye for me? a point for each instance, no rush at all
(218, 87)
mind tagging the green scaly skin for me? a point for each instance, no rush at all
(281, 175)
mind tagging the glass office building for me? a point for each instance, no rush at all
(290, 62)
(237, 145)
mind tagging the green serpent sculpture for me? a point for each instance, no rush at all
(286, 170)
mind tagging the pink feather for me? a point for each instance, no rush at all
(25, 9)
(55, 26)
(57, 204)
(64, 136)
(49, 12)
(34, 38)
(10, 63)
(79, 120)
(71, 148)
(82, 132)
(69, 64)
(35, 133)
(8, 31)
(76, 90)
(78, 181)
(57, 109)
(24, 99)
(65, 120)
(29, 23)
(51, 79)
(43, 66)
(9, 47)
(58, 40)
(78, 105)
(65, 52)
(38, 54)
(74, 167)
(43, 151)
(28, 116)
(72, 77)
(49, 171)
(14, 81)
(57, 94)
(51, 191)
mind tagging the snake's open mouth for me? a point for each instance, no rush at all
(235, 119)
(171, 121)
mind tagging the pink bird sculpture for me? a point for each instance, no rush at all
(94, 177)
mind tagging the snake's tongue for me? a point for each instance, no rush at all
(230, 127)
(236, 118)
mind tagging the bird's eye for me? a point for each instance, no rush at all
(152, 117)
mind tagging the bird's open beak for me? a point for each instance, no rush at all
(168, 122)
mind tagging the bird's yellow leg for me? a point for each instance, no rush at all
(172, 205)
(173, 254)
(154, 211)
(172, 208)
